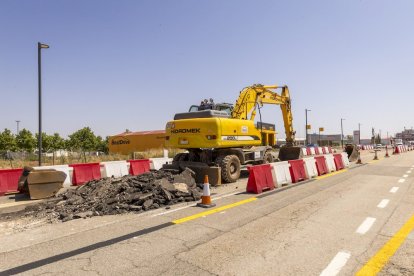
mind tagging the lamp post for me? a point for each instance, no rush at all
(342, 133)
(17, 127)
(40, 46)
(359, 133)
(306, 127)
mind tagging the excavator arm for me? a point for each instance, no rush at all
(256, 96)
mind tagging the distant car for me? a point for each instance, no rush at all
(312, 145)
(379, 146)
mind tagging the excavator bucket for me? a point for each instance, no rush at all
(352, 151)
(41, 183)
(289, 153)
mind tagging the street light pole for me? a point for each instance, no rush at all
(342, 133)
(17, 127)
(306, 126)
(40, 46)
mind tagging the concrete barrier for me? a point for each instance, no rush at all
(345, 159)
(61, 168)
(310, 167)
(281, 170)
(330, 163)
(114, 168)
(156, 163)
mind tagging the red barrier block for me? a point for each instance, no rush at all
(330, 149)
(297, 170)
(260, 178)
(85, 172)
(308, 151)
(321, 165)
(9, 180)
(339, 164)
(317, 151)
(140, 166)
(324, 150)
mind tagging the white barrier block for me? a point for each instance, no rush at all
(312, 150)
(156, 163)
(115, 168)
(320, 150)
(330, 163)
(281, 170)
(345, 159)
(326, 149)
(304, 151)
(61, 168)
(310, 167)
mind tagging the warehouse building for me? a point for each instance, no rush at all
(129, 142)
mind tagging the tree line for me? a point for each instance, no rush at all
(83, 140)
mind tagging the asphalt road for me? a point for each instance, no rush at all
(337, 224)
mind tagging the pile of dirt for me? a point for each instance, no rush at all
(111, 196)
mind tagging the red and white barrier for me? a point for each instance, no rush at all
(345, 159)
(115, 168)
(310, 167)
(282, 172)
(330, 163)
(304, 152)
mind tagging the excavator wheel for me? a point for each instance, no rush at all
(230, 167)
(268, 158)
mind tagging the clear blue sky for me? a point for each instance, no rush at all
(114, 65)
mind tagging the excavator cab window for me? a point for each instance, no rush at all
(194, 108)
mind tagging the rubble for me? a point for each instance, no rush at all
(135, 194)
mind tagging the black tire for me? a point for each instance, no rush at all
(230, 168)
(181, 157)
(268, 158)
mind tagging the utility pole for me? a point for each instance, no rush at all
(359, 133)
(40, 46)
(306, 127)
(17, 127)
(342, 134)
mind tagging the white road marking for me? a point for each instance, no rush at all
(365, 225)
(402, 180)
(383, 203)
(405, 175)
(337, 263)
(394, 190)
(408, 172)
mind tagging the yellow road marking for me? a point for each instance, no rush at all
(330, 174)
(213, 211)
(377, 262)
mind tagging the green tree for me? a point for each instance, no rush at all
(7, 141)
(25, 140)
(102, 145)
(56, 143)
(83, 140)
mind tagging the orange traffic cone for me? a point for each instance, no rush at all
(206, 197)
(386, 151)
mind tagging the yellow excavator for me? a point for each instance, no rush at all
(226, 136)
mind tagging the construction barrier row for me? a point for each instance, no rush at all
(273, 175)
(78, 174)
(366, 147)
(402, 148)
(309, 151)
